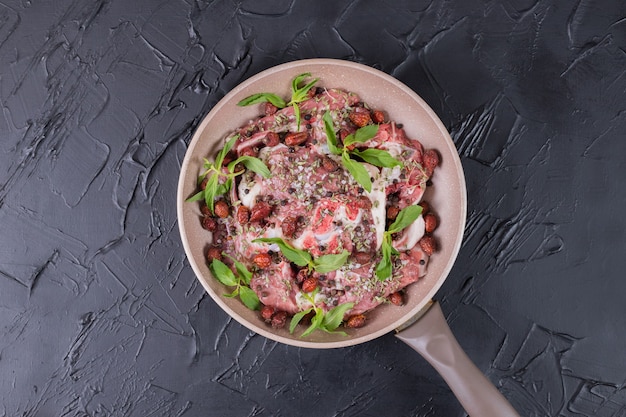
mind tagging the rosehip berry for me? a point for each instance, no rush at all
(396, 298)
(221, 209)
(309, 284)
(262, 260)
(356, 321)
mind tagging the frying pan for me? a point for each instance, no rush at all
(420, 322)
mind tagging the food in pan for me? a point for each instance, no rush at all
(315, 209)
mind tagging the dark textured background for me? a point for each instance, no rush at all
(100, 313)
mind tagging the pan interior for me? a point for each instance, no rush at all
(447, 195)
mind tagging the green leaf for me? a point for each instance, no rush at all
(383, 269)
(223, 273)
(334, 317)
(298, 93)
(296, 112)
(253, 164)
(219, 159)
(328, 263)
(362, 134)
(377, 157)
(233, 294)
(331, 137)
(210, 191)
(263, 98)
(365, 133)
(241, 269)
(223, 188)
(249, 298)
(297, 318)
(297, 256)
(196, 197)
(316, 321)
(295, 83)
(406, 216)
(358, 171)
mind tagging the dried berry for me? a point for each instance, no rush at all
(392, 212)
(296, 138)
(279, 320)
(267, 312)
(329, 165)
(356, 321)
(360, 119)
(243, 214)
(430, 222)
(213, 253)
(249, 151)
(262, 260)
(431, 160)
(269, 109)
(271, 139)
(378, 116)
(309, 284)
(260, 211)
(221, 209)
(209, 223)
(397, 298)
(425, 207)
(204, 209)
(428, 245)
(288, 226)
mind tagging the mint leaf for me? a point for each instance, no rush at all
(377, 157)
(358, 171)
(296, 112)
(233, 294)
(384, 267)
(361, 135)
(223, 188)
(316, 321)
(253, 164)
(297, 80)
(331, 137)
(210, 192)
(297, 256)
(249, 298)
(223, 273)
(241, 280)
(263, 98)
(406, 216)
(328, 263)
(196, 197)
(334, 317)
(298, 93)
(219, 159)
(297, 318)
(241, 270)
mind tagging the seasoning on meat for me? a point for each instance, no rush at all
(322, 220)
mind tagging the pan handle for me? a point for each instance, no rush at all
(432, 338)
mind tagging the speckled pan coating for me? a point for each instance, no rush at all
(447, 195)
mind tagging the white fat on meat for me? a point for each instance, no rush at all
(378, 198)
(412, 234)
(253, 190)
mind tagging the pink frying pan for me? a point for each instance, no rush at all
(420, 322)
